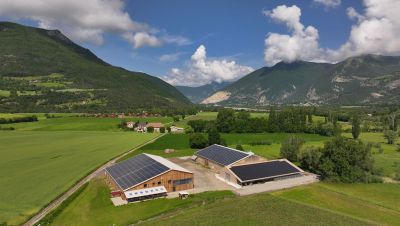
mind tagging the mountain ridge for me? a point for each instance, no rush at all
(43, 70)
(365, 79)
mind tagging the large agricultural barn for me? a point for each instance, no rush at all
(147, 176)
(245, 168)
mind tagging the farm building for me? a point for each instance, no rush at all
(147, 176)
(260, 172)
(244, 168)
(175, 129)
(218, 157)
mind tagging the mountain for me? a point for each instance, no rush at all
(198, 94)
(42, 70)
(361, 80)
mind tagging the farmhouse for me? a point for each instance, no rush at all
(147, 176)
(244, 168)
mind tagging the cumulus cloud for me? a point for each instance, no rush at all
(84, 21)
(201, 70)
(376, 31)
(301, 44)
(329, 3)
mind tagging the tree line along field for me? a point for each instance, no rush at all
(37, 166)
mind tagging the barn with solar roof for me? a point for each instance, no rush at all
(147, 176)
(218, 157)
(244, 168)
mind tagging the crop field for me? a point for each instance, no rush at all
(80, 123)
(376, 203)
(38, 166)
(93, 207)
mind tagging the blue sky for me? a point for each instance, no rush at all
(228, 31)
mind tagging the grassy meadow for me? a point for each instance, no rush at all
(93, 207)
(41, 160)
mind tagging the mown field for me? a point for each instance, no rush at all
(37, 166)
(376, 203)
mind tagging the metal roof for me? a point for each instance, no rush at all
(222, 155)
(139, 169)
(265, 170)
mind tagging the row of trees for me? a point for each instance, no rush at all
(32, 118)
(291, 120)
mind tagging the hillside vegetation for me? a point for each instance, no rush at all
(42, 70)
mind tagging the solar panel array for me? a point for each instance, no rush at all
(135, 170)
(221, 155)
(263, 170)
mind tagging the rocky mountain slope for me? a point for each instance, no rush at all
(198, 94)
(361, 80)
(42, 70)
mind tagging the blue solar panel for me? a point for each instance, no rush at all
(221, 155)
(135, 170)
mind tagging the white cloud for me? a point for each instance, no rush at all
(200, 70)
(141, 39)
(302, 44)
(377, 31)
(329, 3)
(84, 21)
(374, 32)
(170, 57)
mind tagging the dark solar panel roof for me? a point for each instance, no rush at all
(135, 170)
(221, 155)
(263, 170)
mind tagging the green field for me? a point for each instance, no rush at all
(93, 207)
(38, 166)
(4, 93)
(81, 123)
(376, 203)
(262, 209)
